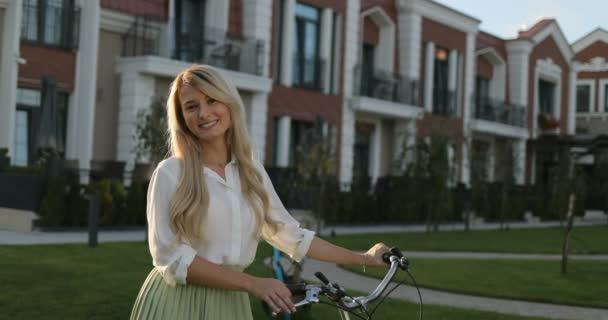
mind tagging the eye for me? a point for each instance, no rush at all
(211, 101)
(190, 107)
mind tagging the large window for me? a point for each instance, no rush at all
(546, 96)
(306, 63)
(50, 22)
(189, 30)
(441, 95)
(297, 140)
(583, 98)
(605, 102)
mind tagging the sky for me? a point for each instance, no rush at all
(504, 18)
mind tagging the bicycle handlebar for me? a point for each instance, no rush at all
(333, 291)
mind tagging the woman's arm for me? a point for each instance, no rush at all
(205, 273)
(325, 251)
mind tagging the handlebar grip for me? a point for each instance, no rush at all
(297, 288)
(395, 251)
(386, 257)
(322, 277)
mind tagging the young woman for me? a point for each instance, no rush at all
(208, 206)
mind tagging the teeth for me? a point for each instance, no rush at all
(208, 124)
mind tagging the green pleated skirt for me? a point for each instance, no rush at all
(158, 300)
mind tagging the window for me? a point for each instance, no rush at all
(583, 98)
(367, 69)
(298, 131)
(27, 122)
(50, 22)
(189, 30)
(606, 97)
(482, 92)
(306, 63)
(546, 96)
(441, 95)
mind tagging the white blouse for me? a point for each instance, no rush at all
(228, 230)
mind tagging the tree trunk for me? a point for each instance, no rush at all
(569, 224)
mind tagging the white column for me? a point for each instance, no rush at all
(289, 11)
(518, 52)
(257, 124)
(519, 161)
(402, 134)
(325, 47)
(167, 40)
(11, 31)
(375, 154)
(492, 161)
(257, 18)
(429, 66)
(350, 55)
(572, 102)
(465, 176)
(83, 117)
(410, 34)
(136, 93)
(283, 139)
(469, 77)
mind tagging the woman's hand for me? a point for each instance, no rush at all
(373, 256)
(274, 292)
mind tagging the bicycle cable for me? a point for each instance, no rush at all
(369, 316)
(395, 287)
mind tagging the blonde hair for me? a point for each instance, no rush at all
(188, 207)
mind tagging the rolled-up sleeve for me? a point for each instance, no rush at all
(170, 257)
(290, 238)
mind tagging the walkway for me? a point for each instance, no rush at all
(523, 308)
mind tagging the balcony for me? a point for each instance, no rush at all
(387, 86)
(444, 103)
(212, 46)
(499, 111)
(308, 72)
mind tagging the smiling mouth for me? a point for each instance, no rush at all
(208, 125)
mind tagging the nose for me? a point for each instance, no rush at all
(203, 111)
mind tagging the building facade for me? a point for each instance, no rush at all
(379, 72)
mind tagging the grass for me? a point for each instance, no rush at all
(533, 280)
(75, 282)
(584, 240)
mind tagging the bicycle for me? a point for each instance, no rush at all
(348, 305)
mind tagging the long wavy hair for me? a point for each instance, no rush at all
(188, 207)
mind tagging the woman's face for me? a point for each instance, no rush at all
(206, 118)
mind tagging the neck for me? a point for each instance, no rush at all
(215, 152)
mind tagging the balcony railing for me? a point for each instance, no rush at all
(499, 111)
(308, 72)
(386, 86)
(51, 25)
(444, 103)
(211, 46)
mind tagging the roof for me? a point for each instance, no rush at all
(538, 27)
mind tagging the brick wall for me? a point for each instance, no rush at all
(484, 68)
(59, 63)
(156, 8)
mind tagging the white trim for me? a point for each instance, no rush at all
(114, 21)
(499, 129)
(598, 34)
(499, 74)
(385, 50)
(519, 59)
(562, 43)
(597, 64)
(410, 42)
(387, 108)
(602, 94)
(440, 13)
(591, 84)
(168, 68)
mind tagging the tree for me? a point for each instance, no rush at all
(151, 133)
(316, 163)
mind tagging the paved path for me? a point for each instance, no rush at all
(522, 256)
(532, 309)
(36, 237)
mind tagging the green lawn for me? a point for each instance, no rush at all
(519, 279)
(589, 240)
(75, 282)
